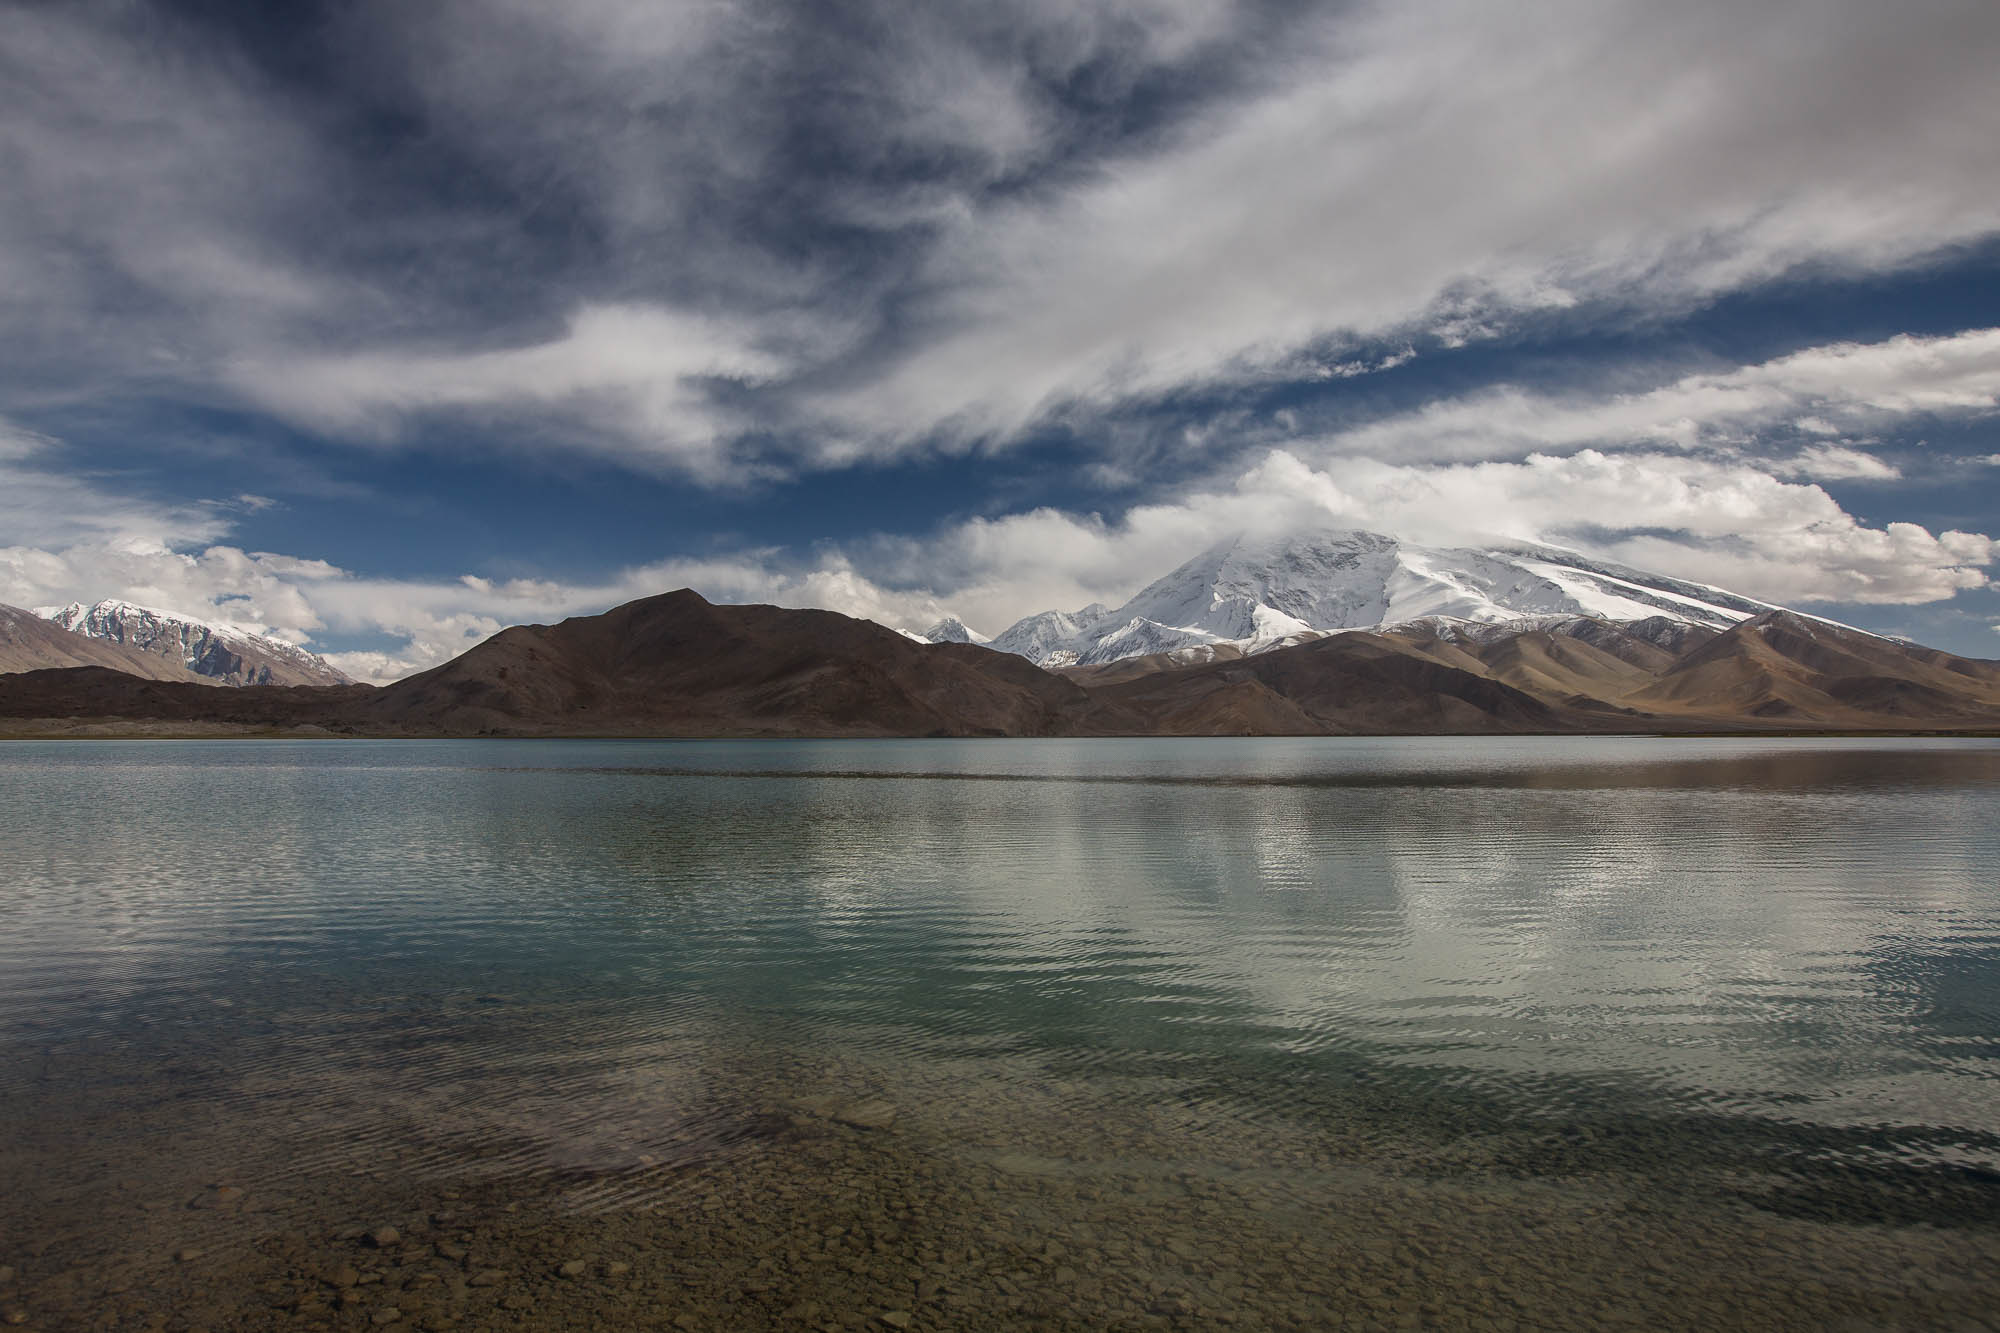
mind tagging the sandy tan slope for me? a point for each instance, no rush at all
(1787, 668)
(1552, 665)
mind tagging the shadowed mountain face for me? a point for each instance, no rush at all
(677, 666)
(98, 701)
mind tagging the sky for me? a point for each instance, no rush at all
(380, 326)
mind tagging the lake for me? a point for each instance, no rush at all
(1469, 1033)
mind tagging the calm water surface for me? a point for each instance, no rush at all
(1488, 1033)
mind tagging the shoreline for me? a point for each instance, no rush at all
(121, 730)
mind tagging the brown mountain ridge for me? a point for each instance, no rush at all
(677, 665)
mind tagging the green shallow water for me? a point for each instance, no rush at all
(1482, 1033)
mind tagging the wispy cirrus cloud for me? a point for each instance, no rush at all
(1840, 387)
(637, 380)
(1442, 167)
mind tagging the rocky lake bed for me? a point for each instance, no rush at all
(812, 1194)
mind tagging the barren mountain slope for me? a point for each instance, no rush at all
(1356, 683)
(1787, 668)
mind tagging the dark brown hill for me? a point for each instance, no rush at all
(677, 665)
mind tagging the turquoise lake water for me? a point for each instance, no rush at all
(1706, 999)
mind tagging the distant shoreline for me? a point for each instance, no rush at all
(144, 731)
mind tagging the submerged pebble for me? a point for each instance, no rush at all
(873, 1114)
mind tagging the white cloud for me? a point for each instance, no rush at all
(1855, 385)
(44, 503)
(1442, 163)
(1834, 462)
(258, 590)
(640, 372)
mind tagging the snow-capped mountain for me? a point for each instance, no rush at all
(227, 653)
(29, 642)
(1048, 637)
(953, 630)
(1263, 593)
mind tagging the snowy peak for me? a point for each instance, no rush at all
(1037, 636)
(953, 630)
(1258, 593)
(1330, 581)
(226, 653)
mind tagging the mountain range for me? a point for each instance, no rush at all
(1525, 639)
(225, 654)
(668, 665)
